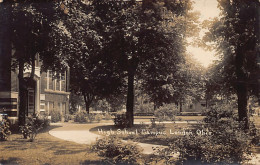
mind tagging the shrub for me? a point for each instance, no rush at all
(4, 129)
(227, 144)
(43, 120)
(83, 117)
(217, 112)
(116, 151)
(167, 112)
(98, 117)
(55, 116)
(107, 116)
(121, 121)
(80, 117)
(33, 125)
(67, 118)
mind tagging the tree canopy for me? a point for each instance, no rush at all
(235, 35)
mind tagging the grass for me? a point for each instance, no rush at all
(139, 132)
(190, 118)
(46, 149)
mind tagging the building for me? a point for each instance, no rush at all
(47, 92)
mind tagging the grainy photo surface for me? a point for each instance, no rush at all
(142, 82)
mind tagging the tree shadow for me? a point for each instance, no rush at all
(11, 161)
(44, 130)
(95, 162)
(44, 142)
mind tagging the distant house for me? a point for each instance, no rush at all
(195, 106)
(47, 92)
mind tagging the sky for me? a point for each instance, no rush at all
(208, 9)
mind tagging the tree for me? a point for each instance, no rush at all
(236, 38)
(92, 74)
(28, 26)
(142, 37)
(184, 84)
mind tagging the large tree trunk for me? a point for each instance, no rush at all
(22, 95)
(242, 104)
(130, 99)
(241, 89)
(88, 98)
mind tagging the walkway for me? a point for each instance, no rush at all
(79, 133)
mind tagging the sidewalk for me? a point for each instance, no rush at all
(72, 132)
(79, 133)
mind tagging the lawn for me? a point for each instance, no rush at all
(46, 149)
(144, 133)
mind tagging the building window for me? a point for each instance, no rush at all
(56, 81)
(50, 81)
(49, 107)
(63, 82)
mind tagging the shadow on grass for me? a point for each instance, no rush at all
(114, 128)
(43, 142)
(44, 130)
(11, 160)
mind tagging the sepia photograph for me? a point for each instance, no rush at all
(129, 82)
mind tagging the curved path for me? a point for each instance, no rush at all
(79, 133)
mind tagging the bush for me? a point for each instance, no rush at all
(43, 120)
(4, 129)
(55, 116)
(98, 117)
(33, 125)
(107, 116)
(80, 117)
(67, 118)
(121, 121)
(115, 151)
(167, 112)
(225, 142)
(83, 117)
(217, 112)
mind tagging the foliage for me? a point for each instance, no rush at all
(218, 111)
(116, 151)
(67, 117)
(83, 117)
(107, 116)
(143, 39)
(27, 26)
(167, 112)
(142, 102)
(235, 36)
(32, 126)
(75, 101)
(43, 120)
(4, 129)
(55, 116)
(220, 141)
(121, 121)
(80, 117)
(117, 102)
(91, 76)
(101, 105)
